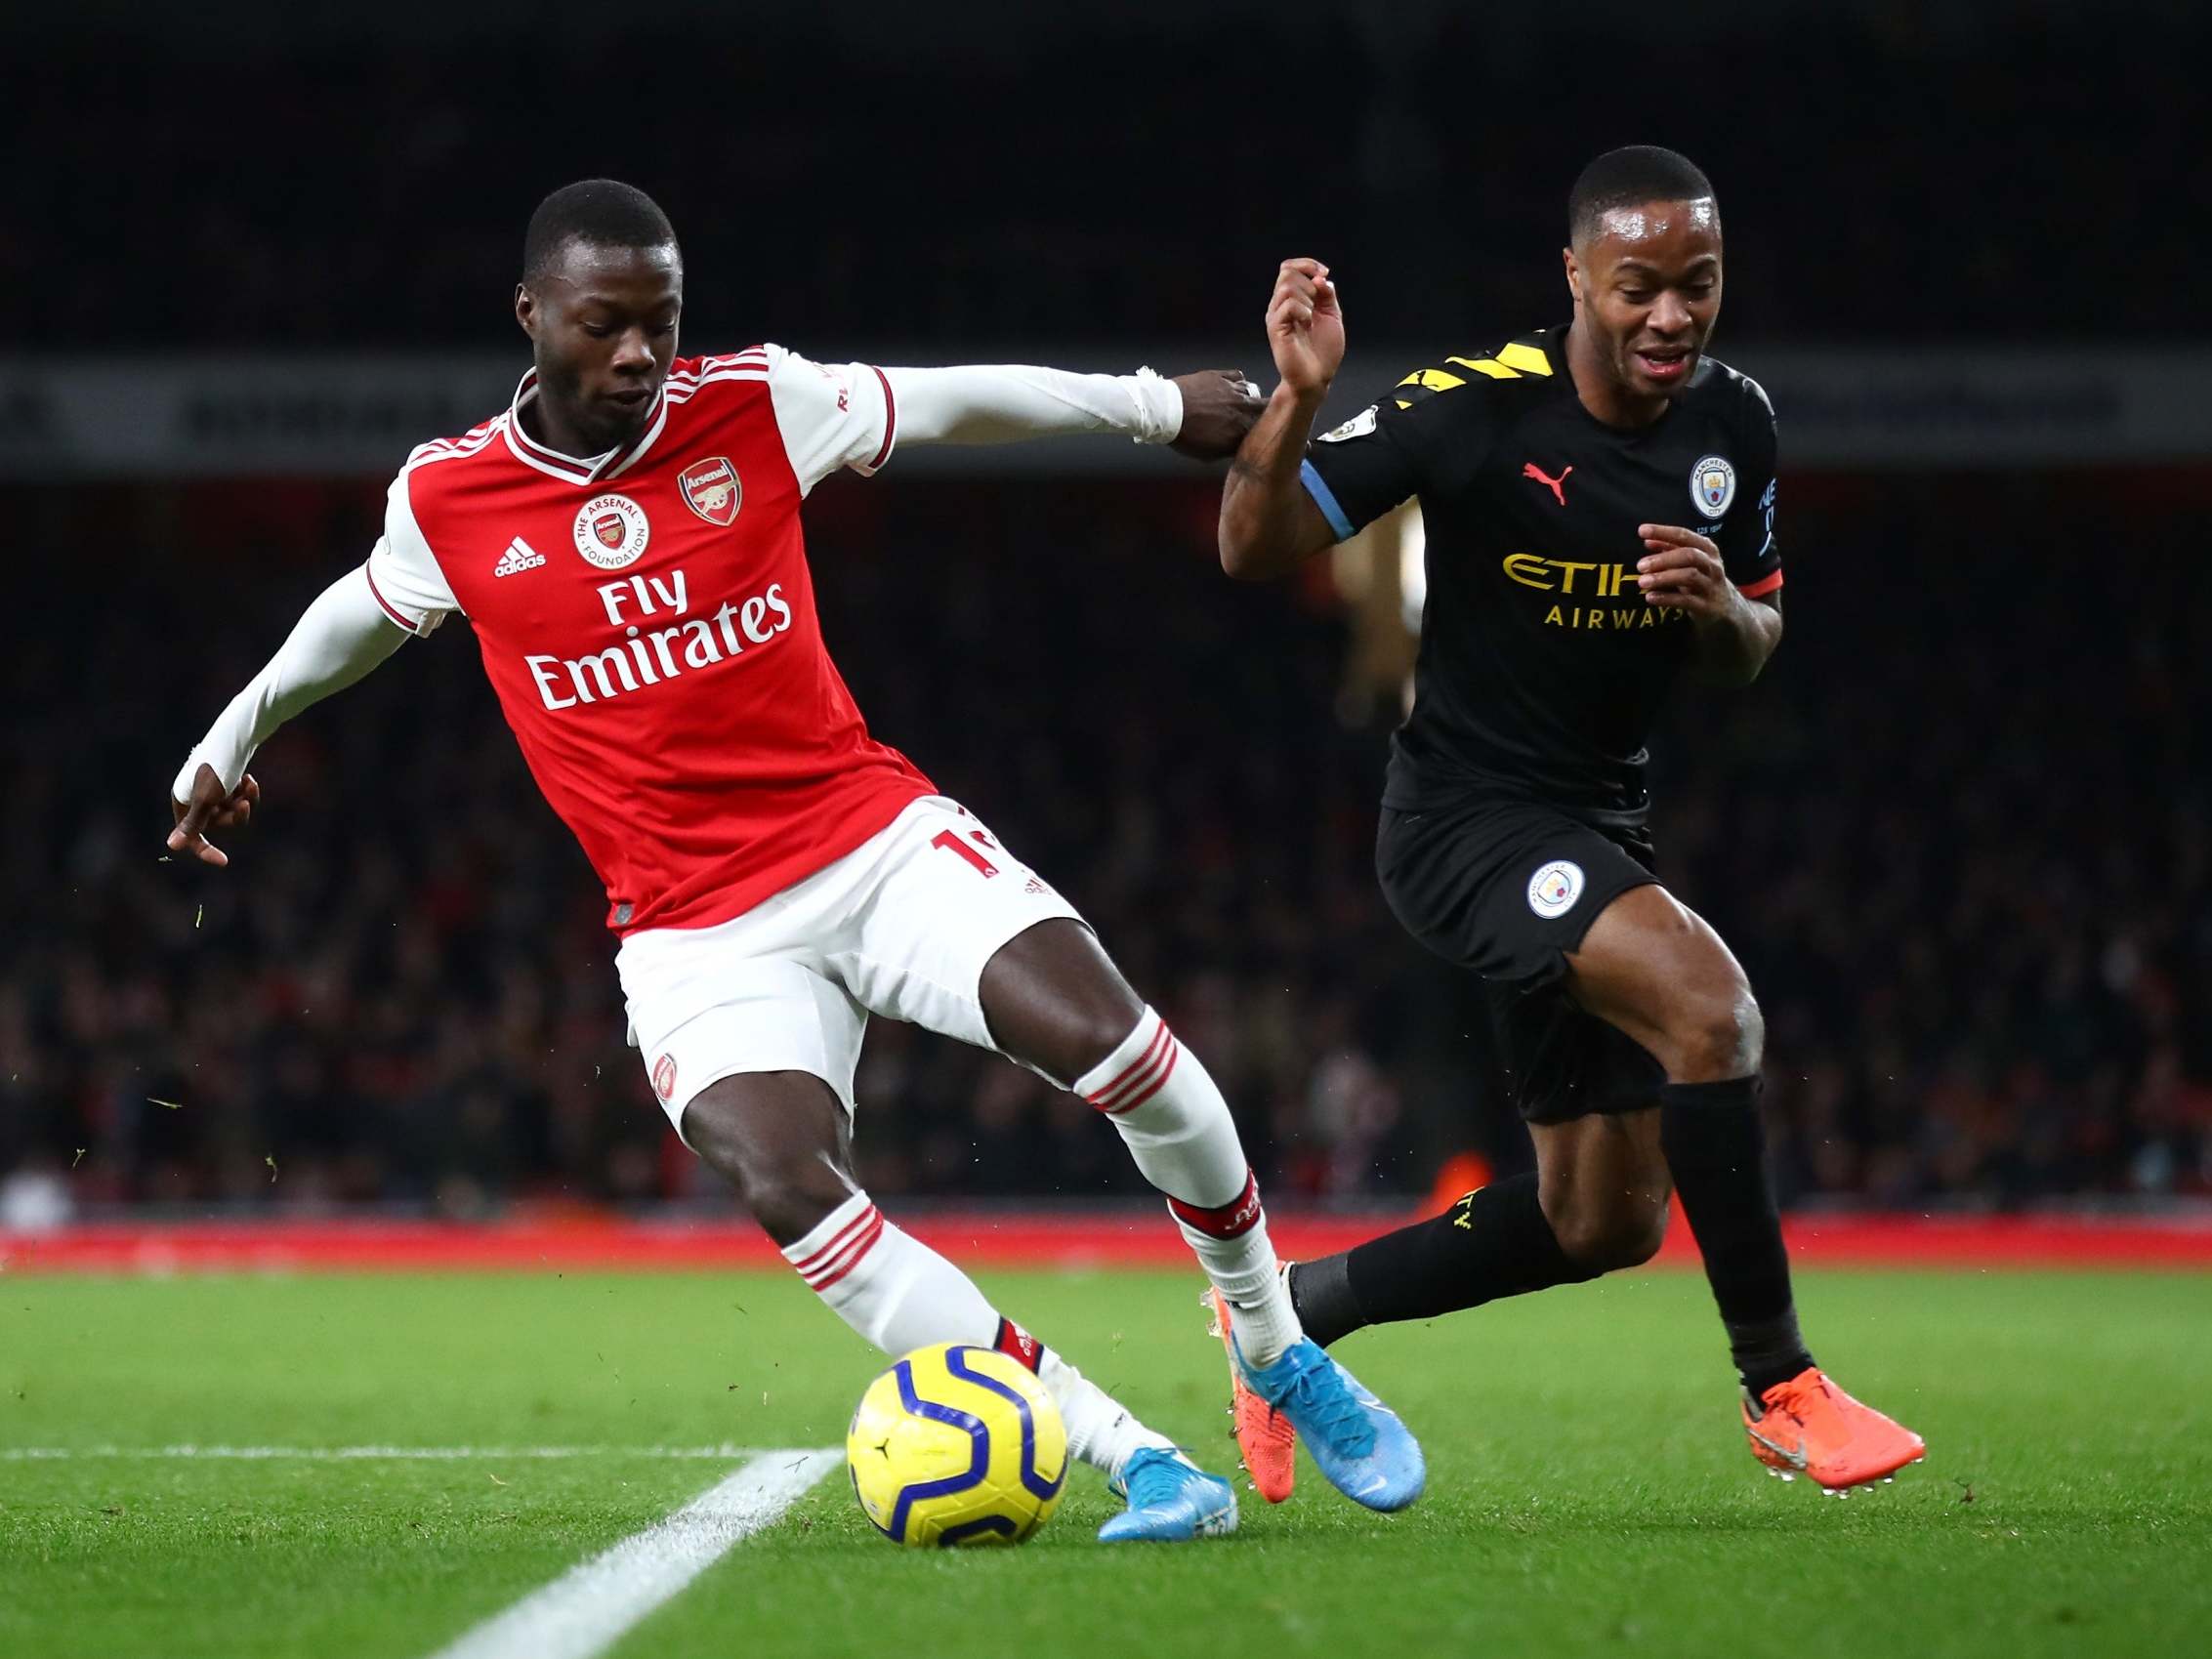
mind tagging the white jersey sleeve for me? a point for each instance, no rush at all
(1012, 402)
(403, 572)
(831, 415)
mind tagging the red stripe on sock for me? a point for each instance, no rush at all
(1143, 1062)
(1231, 1221)
(814, 1263)
(1138, 1080)
(860, 1249)
(1017, 1344)
(840, 1263)
(1148, 1089)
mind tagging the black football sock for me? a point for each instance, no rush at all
(1494, 1242)
(1767, 1352)
(1320, 1291)
(1716, 1150)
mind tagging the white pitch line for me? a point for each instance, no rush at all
(592, 1606)
(374, 1454)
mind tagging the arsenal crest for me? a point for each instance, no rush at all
(711, 489)
(612, 531)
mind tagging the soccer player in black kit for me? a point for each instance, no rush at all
(1599, 504)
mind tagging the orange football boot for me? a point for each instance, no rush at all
(1810, 1427)
(1263, 1435)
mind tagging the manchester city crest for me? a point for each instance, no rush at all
(1712, 485)
(1554, 889)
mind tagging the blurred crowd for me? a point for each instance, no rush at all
(849, 177)
(1961, 837)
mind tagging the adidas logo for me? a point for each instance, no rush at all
(519, 555)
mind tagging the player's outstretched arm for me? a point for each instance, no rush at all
(1204, 414)
(343, 635)
(1268, 523)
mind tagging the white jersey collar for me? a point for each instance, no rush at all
(572, 469)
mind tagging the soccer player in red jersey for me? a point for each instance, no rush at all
(625, 542)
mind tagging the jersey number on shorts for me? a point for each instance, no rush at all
(952, 843)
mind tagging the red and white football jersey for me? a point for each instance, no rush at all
(648, 619)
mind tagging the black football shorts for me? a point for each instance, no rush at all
(1508, 889)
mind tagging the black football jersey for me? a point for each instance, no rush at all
(1541, 666)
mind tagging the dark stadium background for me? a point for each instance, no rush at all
(1960, 833)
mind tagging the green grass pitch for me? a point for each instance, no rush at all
(1588, 1491)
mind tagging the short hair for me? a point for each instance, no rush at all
(1623, 178)
(604, 212)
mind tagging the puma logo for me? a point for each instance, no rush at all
(1558, 485)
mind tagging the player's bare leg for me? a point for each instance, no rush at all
(1597, 1199)
(1655, 971)
(1601, 1183)
(784, 1140)
(1055, 1000)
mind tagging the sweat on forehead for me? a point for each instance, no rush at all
(1636, 176)
(1645, 222)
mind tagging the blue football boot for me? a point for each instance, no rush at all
(1171, 1501)
(1355, 1439)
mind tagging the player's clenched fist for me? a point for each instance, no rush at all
(1306, 326)
(1681, 570)
(211, 806)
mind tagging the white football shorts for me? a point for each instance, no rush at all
(901, 926)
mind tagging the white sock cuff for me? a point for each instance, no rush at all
(835, 1246)
(1136, 1070)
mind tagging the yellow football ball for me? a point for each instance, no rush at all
(957, 1446)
